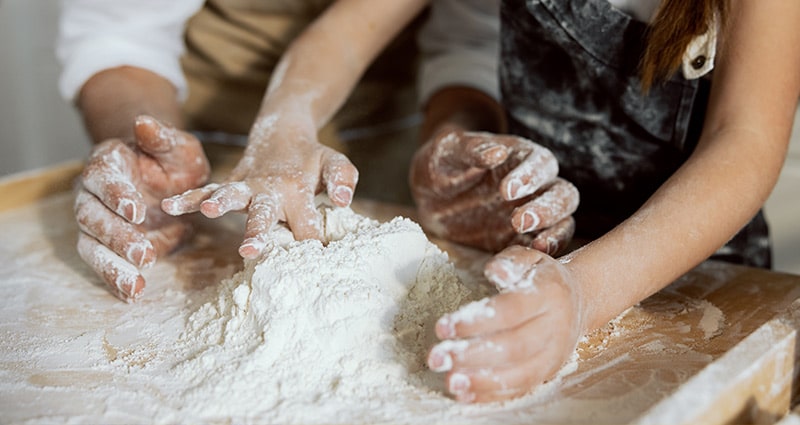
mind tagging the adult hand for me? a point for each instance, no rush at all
(500, 347)
(283, 168)
(490, 191)
(122, 227)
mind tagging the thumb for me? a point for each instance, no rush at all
(174, 160)
(457, 160)
(482, 150)
(153, 137)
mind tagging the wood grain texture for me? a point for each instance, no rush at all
(24, 188)
(717, 346)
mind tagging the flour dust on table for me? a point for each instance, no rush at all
(314, 332)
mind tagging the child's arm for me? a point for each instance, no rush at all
(529, 330)
(284, 166)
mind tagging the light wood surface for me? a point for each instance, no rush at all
(24, 188)
(718, 346)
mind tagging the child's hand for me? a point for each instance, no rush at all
(500, 347)
(491, 191)
(118, 203)
(282, 170)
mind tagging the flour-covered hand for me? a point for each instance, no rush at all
(122, 227)
(491, 191)
(282, 170)
(500, 347)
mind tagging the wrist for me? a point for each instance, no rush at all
(111, 100)
(462, 108)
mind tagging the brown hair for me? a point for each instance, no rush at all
(676, 23)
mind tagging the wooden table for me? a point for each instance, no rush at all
(717, 346)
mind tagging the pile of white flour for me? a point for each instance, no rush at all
(322, 333)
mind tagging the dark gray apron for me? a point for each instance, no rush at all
(569, 81)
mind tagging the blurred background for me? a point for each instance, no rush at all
(38, 129)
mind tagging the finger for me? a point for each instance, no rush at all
(229, 197)
(507, 347)
(537, 169)
(557, 202)
(175, 159)
(109, 175)
(113, 231)
(499, 383)
(490, 315)
(154, 137)
(447, 170)
(489, 397)
(262, 215)
(471, 387)
(513, 268)
(554, 239)
(481, 150)
(168, 236)
(122, 278)
(340, 178)
(189, 201)
(302, 216)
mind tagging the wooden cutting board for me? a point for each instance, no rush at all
(717, 346)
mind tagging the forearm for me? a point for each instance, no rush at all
(111, 100)
(320, 68)
(694, 213)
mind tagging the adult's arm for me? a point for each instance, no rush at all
(121, 68)
(471, 183)
(97, 35)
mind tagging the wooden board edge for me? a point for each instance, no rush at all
(751, 383)
(30, 186)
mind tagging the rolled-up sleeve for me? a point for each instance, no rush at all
(460, 46)
(95, 35)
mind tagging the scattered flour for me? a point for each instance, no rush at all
(313, 334)
(713, 321)
(317, 333)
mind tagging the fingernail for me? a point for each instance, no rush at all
(552, 245)
(171, 205)
(529, 221)
(343, 195)
(445, 328)
(136, 289)
(138, 254)
(127, 208)
(513, 188)
(210, 208)
(459, 383)
(440, 360)
(144, 119)
(441, 356)
(251, 248)
(492, 152)
(128, 282)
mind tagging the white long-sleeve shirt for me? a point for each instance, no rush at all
(95, 35)
(460, 44)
